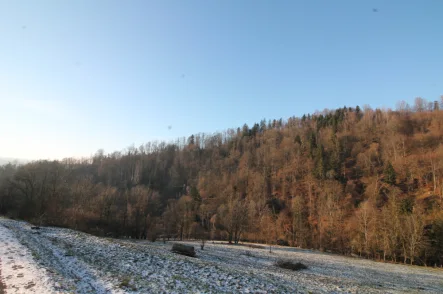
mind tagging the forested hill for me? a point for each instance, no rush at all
(360, 181)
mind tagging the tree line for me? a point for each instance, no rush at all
(357, 181)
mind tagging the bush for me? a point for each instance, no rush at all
(202, 244)
(282, 242)
(287, 264)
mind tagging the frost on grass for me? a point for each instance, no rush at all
(76, 262)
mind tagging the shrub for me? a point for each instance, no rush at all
(287, 264)
(202, 244)
(282, 242)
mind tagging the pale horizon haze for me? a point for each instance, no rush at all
(78, 76)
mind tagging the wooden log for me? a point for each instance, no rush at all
(183, 249)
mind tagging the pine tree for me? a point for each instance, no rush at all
(195, 195)
(320, 163)
(390, 174)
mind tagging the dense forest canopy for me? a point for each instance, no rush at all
(351, 180)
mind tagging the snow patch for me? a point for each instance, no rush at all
(19, 272)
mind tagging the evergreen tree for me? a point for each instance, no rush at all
(262, 125)
(195, 195)
(390, 174)
(320, 163)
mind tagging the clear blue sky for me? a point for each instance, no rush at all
(76, 76)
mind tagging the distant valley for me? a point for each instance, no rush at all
(6, 160)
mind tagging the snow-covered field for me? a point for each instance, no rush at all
(55, 260)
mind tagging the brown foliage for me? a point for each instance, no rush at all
(320, 181)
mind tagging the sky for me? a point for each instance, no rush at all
(78, 76)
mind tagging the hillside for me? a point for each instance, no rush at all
(352, 181)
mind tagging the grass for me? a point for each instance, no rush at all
(249, 254)
(36, 255)
(126, 283)
(69, 252)
(287, 264)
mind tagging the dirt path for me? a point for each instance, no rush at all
(39, 262)
(19, 273)
(2, 285)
